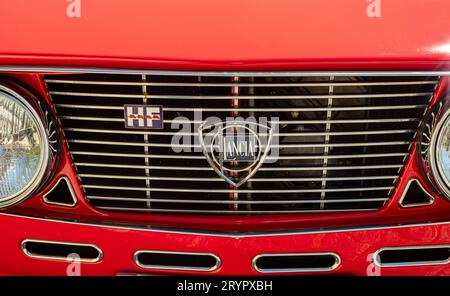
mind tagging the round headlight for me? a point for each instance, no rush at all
(23, 148)
(441, 163)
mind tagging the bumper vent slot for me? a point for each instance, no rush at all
(412, 256)
(301, 262)
(62, 251)
(343, 139)
(177, 260)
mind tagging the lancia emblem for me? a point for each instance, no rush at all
(235, 150)
(143, 116)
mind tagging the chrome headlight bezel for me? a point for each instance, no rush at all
(38, 118)
(435, 161)
(437, 117)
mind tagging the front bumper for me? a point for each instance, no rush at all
(118, 243)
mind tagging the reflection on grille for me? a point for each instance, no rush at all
(343, 140)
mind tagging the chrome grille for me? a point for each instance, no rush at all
(343, 139)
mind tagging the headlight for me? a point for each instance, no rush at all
(440, 163)
(23, 148)
(433, 148)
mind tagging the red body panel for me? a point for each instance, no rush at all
(236, 254)
(231, 35)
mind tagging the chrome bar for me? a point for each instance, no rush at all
(311, 109)
(271, 169)
(327, 141)
(201, 157)
(190, 179)
(209, 201)
(273, 146)
(290, 97)
(146, 140)
(353, 189)
(195, 84)
(231, 211)
(223, 73)
(306, 134)
(336, 121)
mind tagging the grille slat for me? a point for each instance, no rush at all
(241, 201)
(237, 191)
(343, 140)
(309, 134)
(342, 121)
(239, 84)
(291, 157)
(309, 145)
(183, 211)
(174, 168)
(187, 179)
(274, 97)
(364, 108)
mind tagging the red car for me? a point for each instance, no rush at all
(225, 137)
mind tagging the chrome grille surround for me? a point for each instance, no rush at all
(343, 139)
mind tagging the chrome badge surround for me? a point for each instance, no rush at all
(217, 133)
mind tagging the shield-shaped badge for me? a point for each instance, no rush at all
(235, 150)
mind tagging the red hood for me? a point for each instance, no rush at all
(232, 33)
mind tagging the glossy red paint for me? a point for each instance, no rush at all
(254, 34)
(234, 35)
(354, 247)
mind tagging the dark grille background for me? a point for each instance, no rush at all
(344, 154)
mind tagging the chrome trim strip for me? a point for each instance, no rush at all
(235, 235)
(72, 193)
(193, 201)
(189, 179)
(206, 97)
(337, 263)
(282, 157)
(183, 268)
(268, 169)
(334, 121)
(312, 109)
(285, 146)
(441, 119)
(26, 252)
(376, 256)
(405, 191)
(307, 134)
(221, 73)
(159, 189)
(237, 84)
(231, 212)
